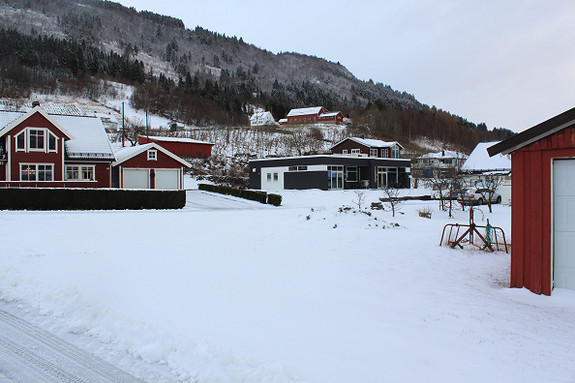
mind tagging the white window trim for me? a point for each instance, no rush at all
(373, 152)
(152, 155)
(355, 151)
(80, 178)
(28, 132)
(48, 150)
(16, 141)
(36, 165)
(28, 149)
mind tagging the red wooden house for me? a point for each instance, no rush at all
(38, 149)
(42, 150)
(312, 115)
(183, 147)
(543, 204)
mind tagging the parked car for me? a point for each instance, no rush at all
(474, 196)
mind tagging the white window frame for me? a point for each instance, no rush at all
(344, 151)
(18, 149)
(355, 151)
(29, 139)
(372, 152)
(80, 172)
(385, 153)
(152, 155)
(47, 133)
(37, 171)
(395, 151)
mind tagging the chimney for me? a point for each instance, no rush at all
(35, 104)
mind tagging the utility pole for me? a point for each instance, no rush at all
(123, 125)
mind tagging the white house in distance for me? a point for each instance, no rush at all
(262, 119)
(479, 163)
(432, 164)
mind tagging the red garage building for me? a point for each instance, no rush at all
(148, 166)
(183, 147)
(543, 204)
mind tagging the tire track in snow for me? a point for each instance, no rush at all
(30, 354)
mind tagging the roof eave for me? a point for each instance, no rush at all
(531, 135)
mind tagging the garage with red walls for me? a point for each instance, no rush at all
(148, 166)
(543, 204)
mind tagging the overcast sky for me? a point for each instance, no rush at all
(506, 63)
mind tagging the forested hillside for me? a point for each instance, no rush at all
(197, 76)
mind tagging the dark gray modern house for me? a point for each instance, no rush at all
(328, 172)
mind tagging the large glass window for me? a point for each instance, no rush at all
(395, 151)
(335, 177)
(36, 172)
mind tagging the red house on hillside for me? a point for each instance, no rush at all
(38, 149)
(314, 114)
(542, 204)
(184, 147)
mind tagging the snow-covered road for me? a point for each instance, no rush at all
(30, 354)
(198, 200)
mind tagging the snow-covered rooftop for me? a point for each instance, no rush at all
(444, 154)
(259, 115)
(178, 139)
(372, 142)
(124, 153)
(479, 160)
(304, 111)
(89, 140)
(329, 114)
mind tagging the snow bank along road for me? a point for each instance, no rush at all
(30, 354)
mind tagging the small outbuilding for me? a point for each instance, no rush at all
(148, 166)
(180, 146)
(543, 204)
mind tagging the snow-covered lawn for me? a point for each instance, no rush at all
(303, 292)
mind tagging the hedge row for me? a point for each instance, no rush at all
(259, 196)
(90, 199)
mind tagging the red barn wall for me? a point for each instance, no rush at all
(531, 210)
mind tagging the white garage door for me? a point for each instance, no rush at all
(167, 178)
(564, 223)
(136, 178)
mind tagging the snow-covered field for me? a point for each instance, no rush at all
(229, 290)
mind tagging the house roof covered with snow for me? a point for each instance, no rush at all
(261, 115)
(124, 154)
(444, 154)
(305, 111)
(480, 161)
(177, 139)
(372, 143)
(88, 138)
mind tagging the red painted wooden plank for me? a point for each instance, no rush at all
(536, 224)
(547, 235)
(517, 218)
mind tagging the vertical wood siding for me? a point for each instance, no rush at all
(531, 210)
